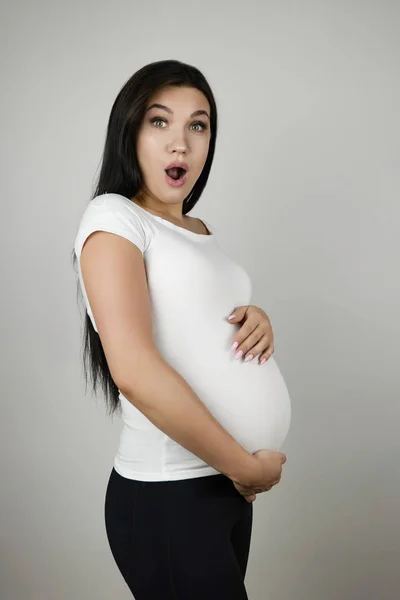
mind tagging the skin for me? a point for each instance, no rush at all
(175, 135)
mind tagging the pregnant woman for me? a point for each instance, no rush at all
(202, 426)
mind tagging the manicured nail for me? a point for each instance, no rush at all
(234, 346)
(232, 317)
(239, 354)
(249, 357)
(263, 361)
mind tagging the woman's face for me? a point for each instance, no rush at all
(170, 134)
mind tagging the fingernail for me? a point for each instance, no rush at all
(239, 354)
(263, 361)
(232, 317)
(234, 346)
(249, 357)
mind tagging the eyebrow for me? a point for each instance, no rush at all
(168, 110)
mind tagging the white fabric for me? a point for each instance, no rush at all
(194, 286)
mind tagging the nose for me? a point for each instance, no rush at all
(178, 143)
(178, 149)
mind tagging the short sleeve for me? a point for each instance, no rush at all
(115, 214)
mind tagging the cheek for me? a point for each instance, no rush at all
(201, 157)
(143, 146)
(146, 150)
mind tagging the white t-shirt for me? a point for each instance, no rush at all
(194, 286)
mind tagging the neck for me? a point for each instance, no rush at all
(162, 209)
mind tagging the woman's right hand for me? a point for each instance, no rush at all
(267, 473)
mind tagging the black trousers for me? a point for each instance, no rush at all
(179, 540)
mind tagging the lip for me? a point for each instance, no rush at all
(175, 182)
(183, 165)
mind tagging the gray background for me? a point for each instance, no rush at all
(304, 192)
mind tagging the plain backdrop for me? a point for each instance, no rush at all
(304, 193)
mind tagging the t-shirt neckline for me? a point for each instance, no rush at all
(195, 235)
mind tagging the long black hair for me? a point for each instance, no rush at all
(120, 174)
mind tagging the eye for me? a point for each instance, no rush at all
(201, 123)
(156, 119)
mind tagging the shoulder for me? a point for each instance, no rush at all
(111, 202)
(116, 214)
(203, 226)
(197, 225)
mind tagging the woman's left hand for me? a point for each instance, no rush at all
(255, 336)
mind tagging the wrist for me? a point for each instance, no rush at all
(246, 472)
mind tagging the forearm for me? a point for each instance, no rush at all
(168, 401)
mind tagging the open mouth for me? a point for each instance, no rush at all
(176, 173)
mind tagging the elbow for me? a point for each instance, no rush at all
(136, 377)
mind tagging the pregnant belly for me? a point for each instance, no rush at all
(251, 401)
